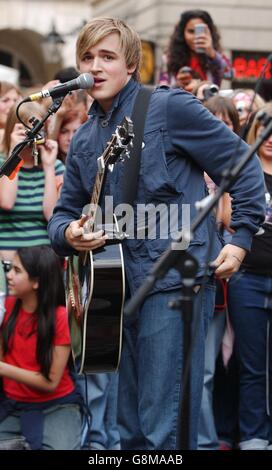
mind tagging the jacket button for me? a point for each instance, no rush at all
(104, 123)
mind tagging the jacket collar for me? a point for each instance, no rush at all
(96, 110)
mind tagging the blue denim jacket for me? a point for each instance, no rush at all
(181, 140)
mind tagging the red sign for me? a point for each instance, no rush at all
(249, 66)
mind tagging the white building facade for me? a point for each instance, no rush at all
(245, 27)
(24, 24)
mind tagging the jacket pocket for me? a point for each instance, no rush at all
(87, 169)
(159, 185)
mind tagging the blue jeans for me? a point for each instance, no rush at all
(151, 370)
(207, 435)
(250, 307)
(61, 429)
(102, 392)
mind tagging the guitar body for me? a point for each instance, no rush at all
(96, 325)
(103, 320)
(95, 281)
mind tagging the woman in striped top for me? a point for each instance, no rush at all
(27, 201)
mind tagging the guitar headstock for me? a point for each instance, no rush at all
(118, 145)
(125, 131)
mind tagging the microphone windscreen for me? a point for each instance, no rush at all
(85, 81)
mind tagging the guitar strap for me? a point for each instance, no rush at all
(132, 165)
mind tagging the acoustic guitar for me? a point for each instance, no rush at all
(95, 282)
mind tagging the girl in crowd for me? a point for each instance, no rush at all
(250, 307)
(247, 104)
(27, 201)
(77, 102)
(71, 121)
(210, 65)
(9, 94)
(224, 109)
(40, 401)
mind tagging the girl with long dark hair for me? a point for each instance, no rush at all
(40, 401)
(211, 64)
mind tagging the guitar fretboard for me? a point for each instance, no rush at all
(115, 148)
(99, 179)
(98, 184)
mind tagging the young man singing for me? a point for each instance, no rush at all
(181, 141)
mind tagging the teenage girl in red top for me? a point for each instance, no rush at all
(40, 401)
(210, 65)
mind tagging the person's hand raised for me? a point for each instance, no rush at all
(204, 41)
(50, 84)
(18, 135)
(68, 104)
(48, 152)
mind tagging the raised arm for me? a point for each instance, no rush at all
(48, 157)
(8, 188)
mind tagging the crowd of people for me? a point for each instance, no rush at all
(194, 132)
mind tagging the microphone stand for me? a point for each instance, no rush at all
(12, 165)
(186, 264)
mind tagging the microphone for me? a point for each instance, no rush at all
(85, 81)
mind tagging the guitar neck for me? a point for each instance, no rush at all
(96, 194)
(113, 152)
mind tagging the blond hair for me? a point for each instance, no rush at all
(256, 123)
(258, 102)
(99, 28)
(7, 86)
